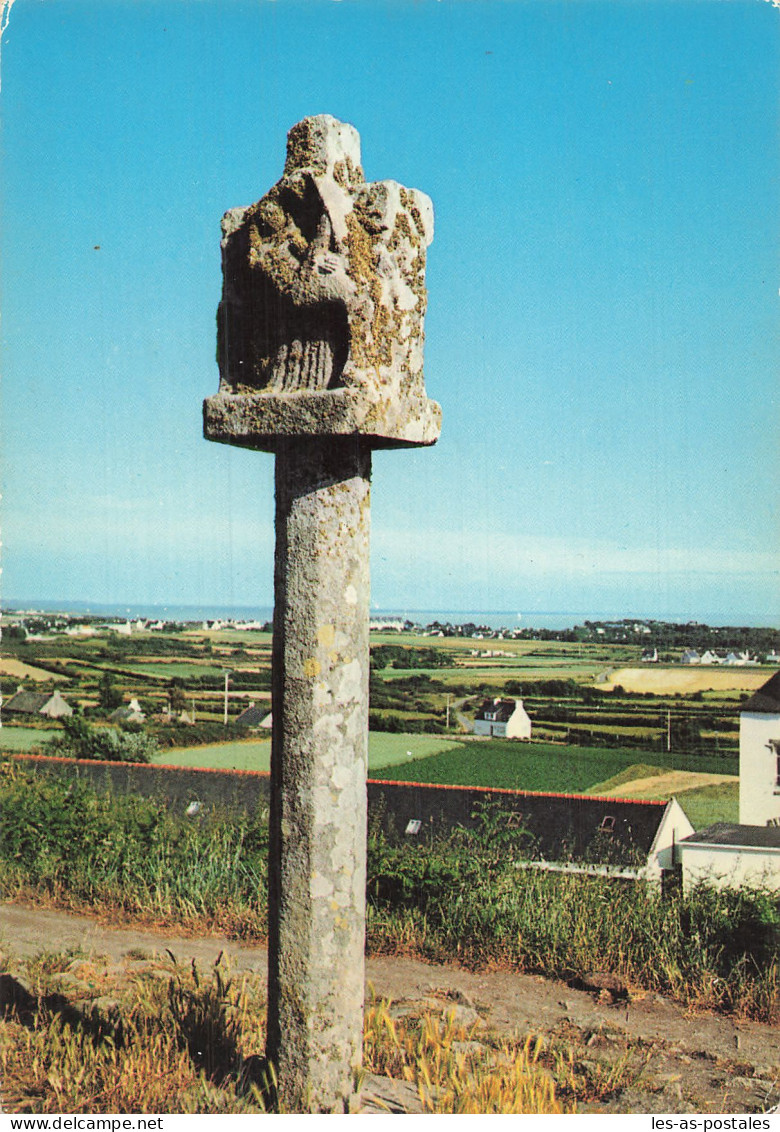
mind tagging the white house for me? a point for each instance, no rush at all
(690, 656)
(759, 756)
(733, 856)
(505, 719)
(128, 713)
(748, 853)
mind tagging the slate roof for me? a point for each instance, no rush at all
(29, 703)
(766, 700)
(252, 716)
(502, 711)
(736, 836)
(551, 827)
(126, 714)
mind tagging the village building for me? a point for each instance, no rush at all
(254, 717)
(733, 856)
(505, 719)
(747, 853)
(49, 704)
(554, 832)
(759, 756)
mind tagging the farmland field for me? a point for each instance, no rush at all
(384, 750)
(710, 804)
(538, 766)
(662, 785)
(663, 681)
(22, 671)
(168, 669)
(250, 755)
(25, 738)
(468, 673)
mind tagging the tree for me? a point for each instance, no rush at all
(684, 733)
(108, 696)
(176, 693)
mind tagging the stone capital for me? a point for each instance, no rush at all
(320, 327)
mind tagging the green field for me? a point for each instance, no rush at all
(250, 755)
(24, 738)
(163, 669)
(476, 676)
(537, 766)
(384, 750)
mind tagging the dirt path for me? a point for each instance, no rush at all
(643, 1055)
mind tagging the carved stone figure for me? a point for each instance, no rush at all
(320, 328)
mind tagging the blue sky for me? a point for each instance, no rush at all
(602, 330)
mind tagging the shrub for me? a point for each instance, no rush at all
(82, 741)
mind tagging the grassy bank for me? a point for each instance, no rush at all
(459, 899)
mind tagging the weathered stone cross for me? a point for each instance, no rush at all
(320, 349)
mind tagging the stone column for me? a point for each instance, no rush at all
(317, 859)
(319, 343)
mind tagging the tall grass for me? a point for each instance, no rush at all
(541, 766)
(172, 1042)
(73, 845)
(459, 898)
(464, 897)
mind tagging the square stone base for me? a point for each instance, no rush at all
(262, 420)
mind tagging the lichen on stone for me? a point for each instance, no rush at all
(324, 277)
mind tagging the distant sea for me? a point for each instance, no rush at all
(493, 619)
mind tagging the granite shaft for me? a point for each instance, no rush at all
(317, 856)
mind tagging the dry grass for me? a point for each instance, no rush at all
(667, 681)
(665, 785)
(452, 1071)
(176, 1040)
(18, 669)
(170, 1041)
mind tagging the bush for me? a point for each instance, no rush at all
(404, 656)
(82, 741)
(403, 723)
(198, 734)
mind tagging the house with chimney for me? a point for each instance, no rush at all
(48, 704)
(504, 719)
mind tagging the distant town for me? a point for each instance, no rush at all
(689, 642)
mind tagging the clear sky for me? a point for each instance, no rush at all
(602, 330)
